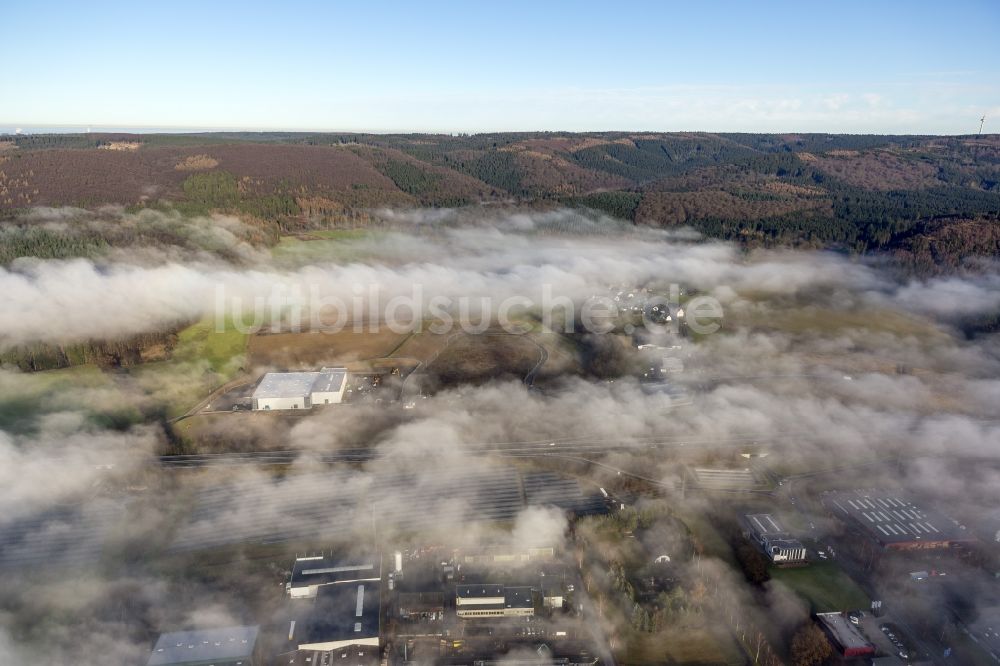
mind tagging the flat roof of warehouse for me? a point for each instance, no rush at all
(326, 570)
(204, 646)
(891, 518)
(765, 524)
(337, 613)
(785, 542)
(518, 597)
(330, 379)
(299, 384)
(285, 385)
(480, 591)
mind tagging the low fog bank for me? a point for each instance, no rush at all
(822, 360)
(147, 289)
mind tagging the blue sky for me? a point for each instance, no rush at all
(895, 67)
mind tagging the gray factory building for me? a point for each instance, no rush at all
(338, 616)
(894, 521)
(311, 573)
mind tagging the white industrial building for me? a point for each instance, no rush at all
(785, 551)
(772, 538)
(300, 390)
(490, 600)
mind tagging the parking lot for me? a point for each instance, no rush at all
(888, 638)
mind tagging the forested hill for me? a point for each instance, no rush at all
(863, 193)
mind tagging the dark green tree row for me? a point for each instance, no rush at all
(44, 243)
(621, 205)
(105, 353)
(88, 237)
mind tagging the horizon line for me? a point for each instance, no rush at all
(18, 129)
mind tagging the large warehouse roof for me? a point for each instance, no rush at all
(329, 380)
(299, 384)
(518, 597)
(894, 520)
(323, 571)
(479, 591)
(285, 385)
(204, 646)
(764, 524)
(339, 614)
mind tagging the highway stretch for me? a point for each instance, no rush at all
(563, 445)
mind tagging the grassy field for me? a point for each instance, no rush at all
(202, 342)
(815, 319)
(422, 346)
(338, 245)
(340, 234)
(314, 349)
(479, 358)
(203, 360)
(824, 586)
(683, 644)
